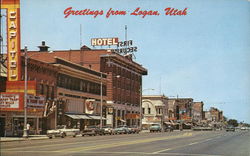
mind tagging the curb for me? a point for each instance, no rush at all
(22, 139)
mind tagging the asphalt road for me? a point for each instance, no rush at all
(188, 143)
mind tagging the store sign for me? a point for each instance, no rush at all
(35, 102)
(110, 110)
(90, 106)
(9, 100)
(125, 47)
(104, 41)
(13, 38)
(132, 116)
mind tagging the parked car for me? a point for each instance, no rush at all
(168, 128)
(108, 130)
(200, 128)
(230, 128)
(134, 129)
(122, 130)
(62, 131)
(155, 128)
(92, 130)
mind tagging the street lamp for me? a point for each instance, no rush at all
(101, 103)
(26, 57)
(25, 134)
(141, 104)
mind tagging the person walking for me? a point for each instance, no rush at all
(28, 128)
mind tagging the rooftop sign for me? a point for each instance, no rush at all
(104, 41)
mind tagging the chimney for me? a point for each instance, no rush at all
(43, 47)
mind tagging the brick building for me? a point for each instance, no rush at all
(124, 78)
(79, 89)
(41, 87)
(197, 111)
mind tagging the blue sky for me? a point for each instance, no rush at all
(203, 55)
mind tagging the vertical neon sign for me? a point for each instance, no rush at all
(13, 39)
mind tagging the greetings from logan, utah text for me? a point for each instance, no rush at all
(168, 11)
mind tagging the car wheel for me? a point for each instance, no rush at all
(63, 135)
(50, 137)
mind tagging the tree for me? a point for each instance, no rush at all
(233, 122)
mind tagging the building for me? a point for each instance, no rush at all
(172, 105)
(154, 110)
(41, 86)
(79, 96)
(124, 79)
(197, 112)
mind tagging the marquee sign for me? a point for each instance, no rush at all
(35, 102)
(11, 101)
(13, 38)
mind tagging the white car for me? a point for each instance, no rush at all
(62, 132)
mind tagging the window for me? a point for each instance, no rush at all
(41, 89)
(149, 110)
(143, 110)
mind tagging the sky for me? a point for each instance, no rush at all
(203, 54)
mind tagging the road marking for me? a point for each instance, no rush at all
(168, 149)
(109, 145)
(193, 143)
(61, 144)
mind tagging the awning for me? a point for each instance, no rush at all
(73, 116)
(96, 117)
(168, 123)
(84, 116)
(122, 120)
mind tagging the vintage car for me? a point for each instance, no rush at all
(134, 129)
(92, 130)
(62, 131)
(230, 128)
(168, 128)
(108, 130)
(155, 128)
(122, 130)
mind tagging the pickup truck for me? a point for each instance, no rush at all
(62, 131)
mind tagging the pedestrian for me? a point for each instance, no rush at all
(28, 128)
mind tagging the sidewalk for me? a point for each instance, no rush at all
(31, 137)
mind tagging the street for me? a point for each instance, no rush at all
(175, 143)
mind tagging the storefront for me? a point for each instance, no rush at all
(12, 114)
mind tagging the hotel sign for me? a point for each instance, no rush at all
(13, 38)
(104, 41)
